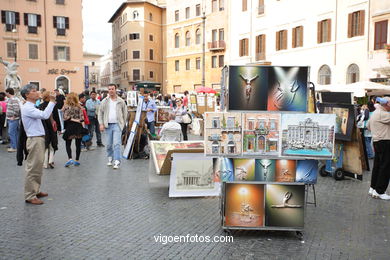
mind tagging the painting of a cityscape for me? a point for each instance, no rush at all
(308, 135)
(261, 133)
(223, 134)
(192, 175)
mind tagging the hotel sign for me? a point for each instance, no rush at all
(61, 71)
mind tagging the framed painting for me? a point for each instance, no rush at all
(260, 134)
(345, 119)
(284, 205)
(223, 134)
(163, 114)
(192, 175)
(243, 205)
(308, 135)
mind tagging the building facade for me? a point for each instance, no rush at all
(138, 48)
(45, 39)
(185, 43)
(106, 71)
(331, 38)
(92, 70)
(378, 53)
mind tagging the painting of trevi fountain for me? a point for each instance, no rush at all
(308, 135)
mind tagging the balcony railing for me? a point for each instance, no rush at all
(217, 45)
(10, 27)
(260, 56)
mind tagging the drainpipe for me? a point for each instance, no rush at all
(44, 12)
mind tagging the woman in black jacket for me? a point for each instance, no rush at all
(51, 140)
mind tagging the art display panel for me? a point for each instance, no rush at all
(265, 170)
(160, 149)
(244, 205)
(285, 170)
(308, 135)
(192, 176)
(244, 169)
(223, 134)
(261, 134)
(345, 119)
(284, 205)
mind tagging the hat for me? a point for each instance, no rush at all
(383, 100)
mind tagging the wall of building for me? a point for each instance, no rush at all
(179, 81)
(338, 54)
(45, 69)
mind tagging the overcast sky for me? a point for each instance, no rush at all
(97, 30)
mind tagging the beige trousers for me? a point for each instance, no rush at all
(34, 166)
(49, 156)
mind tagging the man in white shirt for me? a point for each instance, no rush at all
(32, 122)
(112, 117)
(171, 127)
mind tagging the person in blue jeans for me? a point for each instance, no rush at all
(149, 105)
(13, 119)
(112, 116)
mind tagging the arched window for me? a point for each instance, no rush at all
(324, 75)
(150, 17)
(135, 15)
(353, 73)
(197, 36)
(188, 38)
(177, 40)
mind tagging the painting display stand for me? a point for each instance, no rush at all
(265, 204)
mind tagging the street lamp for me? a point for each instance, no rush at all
(204, 47)
(15, 52)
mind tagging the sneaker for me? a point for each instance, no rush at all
(383, 196)
(76, 163)
(109, 161)
(116, 164)
(84, 149)
(11, 150)
(69, 163)
(370, 191)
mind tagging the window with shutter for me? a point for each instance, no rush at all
(188, 64)
(177, 64)
(60, 2)
(356, 23)
(214, 5)
(244, 5)
(33, 51)
(136, 55)
(197, 8)
(198, 63)
(213, 61)
(324, 31)
(260, 7)
(151, 54)
(11, 50)
(176, 15)
(136, 74)
(10, 19)
(221, 61)
(380, 38)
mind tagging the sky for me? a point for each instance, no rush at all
(97, 30)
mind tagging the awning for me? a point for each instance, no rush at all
(149, 85)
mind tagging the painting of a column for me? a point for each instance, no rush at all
(308, 135)
(244, 205)
(223, 134)
(261, 134)
(192, 175)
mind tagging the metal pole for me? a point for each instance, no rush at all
(204, 50)
(16, 51)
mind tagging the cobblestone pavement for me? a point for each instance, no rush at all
(93, 212)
